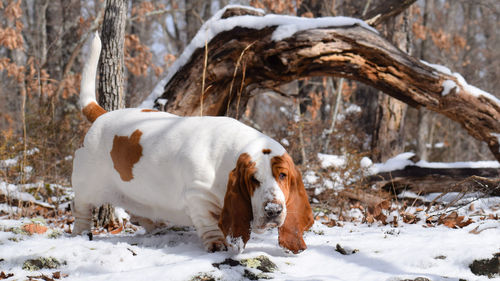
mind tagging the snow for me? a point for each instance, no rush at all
(15, 160)
(435, 145)
(474, 90)
(310, 177)
(477, 164)
(365, 162)
(447, 84)
(383, 253)
(376, 251)
(12, 191)
(353, 108)
(497, 135)
(289, 25)
(286, 27)
(402, 160)
(398, 162)
(328, 160)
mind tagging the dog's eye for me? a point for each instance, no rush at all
(282, 176)
(254, 180)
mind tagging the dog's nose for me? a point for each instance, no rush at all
(273, 210)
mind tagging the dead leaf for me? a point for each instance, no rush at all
(34, 228)
(453, 220)
(116, 231)
(4, 275)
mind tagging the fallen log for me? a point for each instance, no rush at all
(218, 77)
(429, 180)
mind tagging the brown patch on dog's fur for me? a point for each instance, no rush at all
(149, 110)
(299, 216)
(237, 210)
(92, 111)
(125, 153)
(266, 151)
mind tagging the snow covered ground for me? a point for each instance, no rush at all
(380, 253)
(350, 250)
(371, 251)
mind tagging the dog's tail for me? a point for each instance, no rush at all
(88, 103)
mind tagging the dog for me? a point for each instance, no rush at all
(214, 173)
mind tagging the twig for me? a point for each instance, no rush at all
(244, 70)
(25, 137)
(154, 13)
(366, 7)
(205, 61)
(234, 75)
(301, 135)
(335, 111)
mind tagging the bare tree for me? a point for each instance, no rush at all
(111, 94)
(111, 77)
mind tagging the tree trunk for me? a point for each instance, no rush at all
(54, 31)
(347, 51)
(70, 12)
(388, 135)
(431, 180)
(111, 95)
(424, 117)
(196, 12)
(111, 78)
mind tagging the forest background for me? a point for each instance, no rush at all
(42, 50)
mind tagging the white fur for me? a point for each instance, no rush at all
(87, 86)
(182, 174)
(269, 191)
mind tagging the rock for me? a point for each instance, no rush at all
(41, 263)
(227, 261)
(488, 267)
(203, 277)
(252, 276)
(345, 251)
(261, 263)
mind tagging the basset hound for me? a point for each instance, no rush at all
(223, 177)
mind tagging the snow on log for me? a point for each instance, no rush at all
(401, 173)
(248, 51)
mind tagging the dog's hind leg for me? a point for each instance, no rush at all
(83, 217)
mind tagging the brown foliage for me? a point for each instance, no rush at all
(138, 57)
(277, 6)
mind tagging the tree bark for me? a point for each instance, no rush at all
(111, 79)
(424, 116)
(54, 31)
(429, 180)
(70, 12)
(196, 12)
(388, 134)
(386, 10)
(348, 51)
(111, 95)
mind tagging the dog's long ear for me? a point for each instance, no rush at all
(299, 216)
(237, 211)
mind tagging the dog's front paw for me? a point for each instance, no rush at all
(235, 244)
(217, 245)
